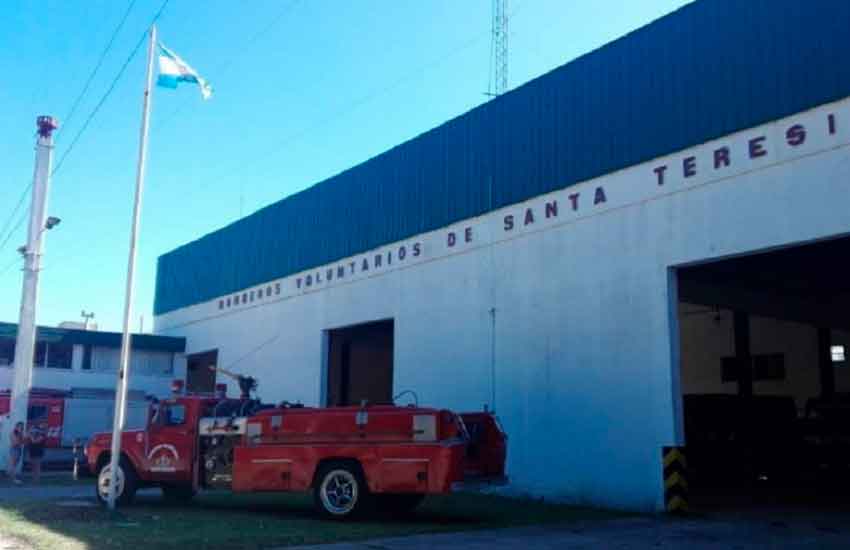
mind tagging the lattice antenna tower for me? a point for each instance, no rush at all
(498, 82)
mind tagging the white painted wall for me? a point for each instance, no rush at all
(586, 368)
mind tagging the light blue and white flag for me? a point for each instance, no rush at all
(172, 70)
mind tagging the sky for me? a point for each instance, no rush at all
(303, 89)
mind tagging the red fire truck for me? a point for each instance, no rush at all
(350, 457)
(46, 410)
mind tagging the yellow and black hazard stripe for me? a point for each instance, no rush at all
(675, 480)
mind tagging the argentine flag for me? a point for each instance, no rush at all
(172, 70)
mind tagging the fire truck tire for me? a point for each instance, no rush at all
(182, 492)
(128, 483)
(398, 504)
(341, 491)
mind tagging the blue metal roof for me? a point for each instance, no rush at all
(709, 69)
(148, 342)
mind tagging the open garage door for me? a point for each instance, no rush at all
(765, 377)
(360, 364)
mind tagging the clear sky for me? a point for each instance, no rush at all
(303, 90)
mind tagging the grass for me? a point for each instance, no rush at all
(225, 521)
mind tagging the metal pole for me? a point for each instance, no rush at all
(124, 368)
(25, 344)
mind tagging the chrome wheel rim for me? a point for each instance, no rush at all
(339, 492)
(103, 482)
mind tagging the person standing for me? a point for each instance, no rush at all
(16, 451)
(36, 452)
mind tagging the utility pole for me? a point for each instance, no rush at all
(25, 344)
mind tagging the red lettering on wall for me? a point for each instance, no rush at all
(451, 239)
(509, 223)
(831, 120)
(552, 209)
(658, 172)
(417, 249)
(599, 196)
(574, 200)
(756, 148)
(721, 157)
(795, 135)
(467, 234)
(689, 166)
(529, 216)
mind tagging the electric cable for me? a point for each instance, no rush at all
(354, 105)
(14, 211)
(108, 91)
(99, 63)
(12, 232)
(9, 266)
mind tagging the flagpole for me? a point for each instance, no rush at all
(124, 368)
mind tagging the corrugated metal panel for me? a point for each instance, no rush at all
(704, 71)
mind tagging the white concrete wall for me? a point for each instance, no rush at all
(586, 373)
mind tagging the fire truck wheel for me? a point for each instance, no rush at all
(340, 491)
(182, 492)
(126, 483)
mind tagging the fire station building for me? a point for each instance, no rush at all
(643, 248)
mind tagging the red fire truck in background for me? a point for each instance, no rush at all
(46, 410)
(69, 417)
(349, 457)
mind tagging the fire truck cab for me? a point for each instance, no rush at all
(351, 458)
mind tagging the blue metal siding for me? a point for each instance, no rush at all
(707, 70)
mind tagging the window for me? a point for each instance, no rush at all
(40, 354)
(86, 358)
(59, 355)
(837, 353)
(7, 351)
(37, 413)
(175, 415)
(767, 366)
(55, 355)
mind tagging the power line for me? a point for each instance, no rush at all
(9, 266)
(99, 63)
(15, 210)
(15, 228)
(108, 91)
(352, 106)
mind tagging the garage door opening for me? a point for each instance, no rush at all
(360, 364)
(765, 377)
(200, 378)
